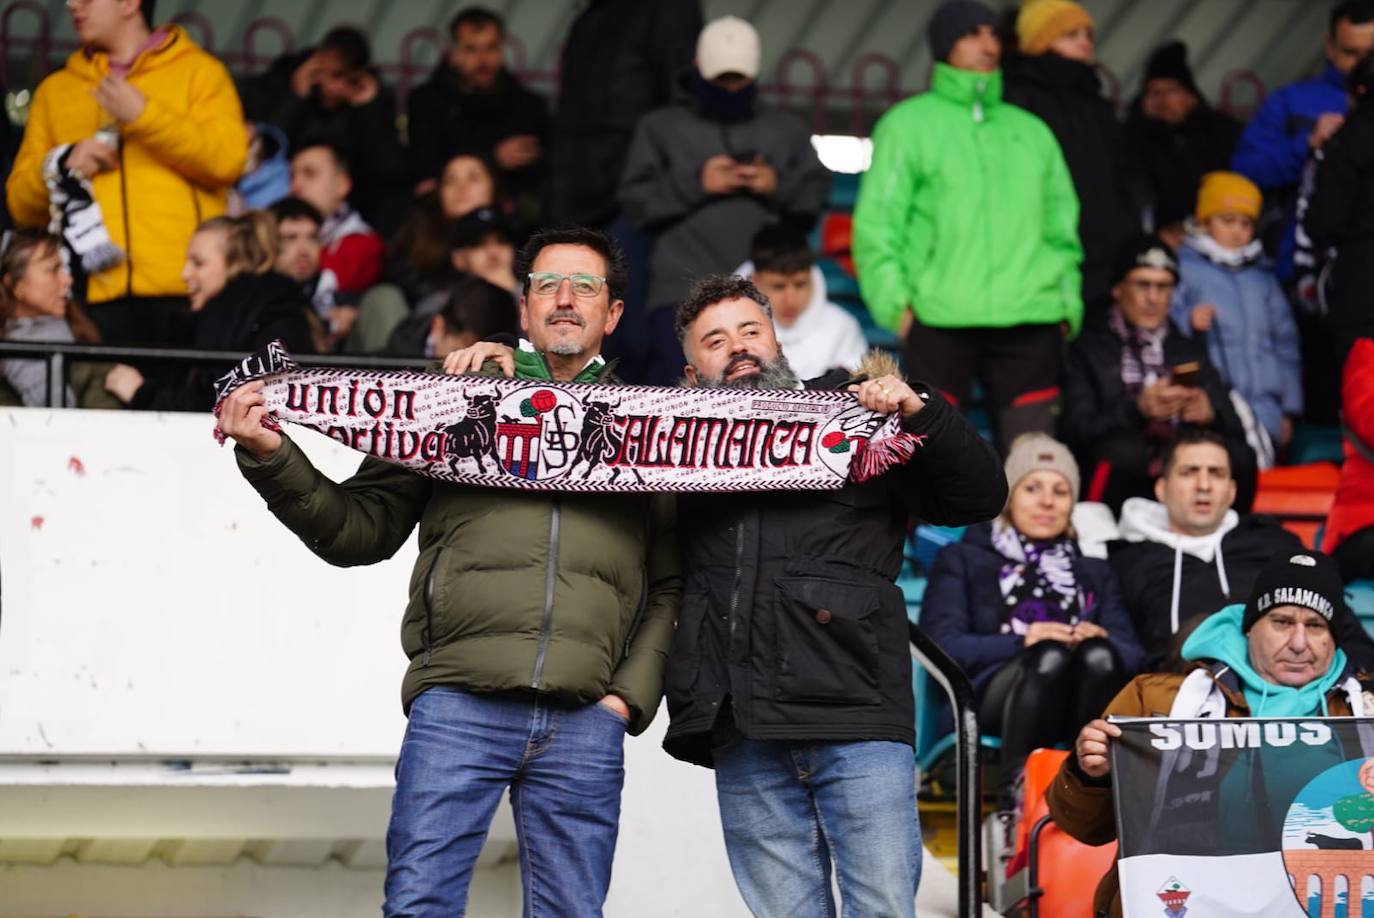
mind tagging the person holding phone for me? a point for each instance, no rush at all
(704, 175)
(1131, 385)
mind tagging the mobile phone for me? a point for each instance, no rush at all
(744, 157)
(1187, 374)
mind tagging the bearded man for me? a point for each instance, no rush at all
(790, 672)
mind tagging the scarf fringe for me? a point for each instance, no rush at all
(876, 457)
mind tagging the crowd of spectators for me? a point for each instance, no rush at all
(1168, 293)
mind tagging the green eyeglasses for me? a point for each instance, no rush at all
(546, 283)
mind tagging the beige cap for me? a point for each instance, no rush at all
(728, 45)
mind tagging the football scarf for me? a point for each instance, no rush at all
(539, 434)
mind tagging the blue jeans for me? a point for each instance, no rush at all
(791, 809)
(564, 766)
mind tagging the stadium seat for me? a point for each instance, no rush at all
(1359, 596)
(1316, 443)
(1299, 496)
(1065, 871)
(837, 234)
(931, 742)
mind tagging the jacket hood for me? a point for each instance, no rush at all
(1148, 521)
(1198, 242)
(94, 65)
(968, 88)
(819, 295)
(1144, 520)
(1219, 637)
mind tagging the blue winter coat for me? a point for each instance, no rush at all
(962, 609)
(1254, 340)
(1273, 149)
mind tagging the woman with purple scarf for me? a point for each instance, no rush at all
(1041, 630)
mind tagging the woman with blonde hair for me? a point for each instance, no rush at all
(238, 304)
(1042, 631)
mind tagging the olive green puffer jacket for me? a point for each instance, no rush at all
(572, 595)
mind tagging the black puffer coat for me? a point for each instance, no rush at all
(622, 59)
(1340, 214)
(790, 608)
(1067, 96)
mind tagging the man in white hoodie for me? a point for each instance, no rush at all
(1189, 554)
(816, 335)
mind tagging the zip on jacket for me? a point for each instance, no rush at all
(550, 582)
(427, 635)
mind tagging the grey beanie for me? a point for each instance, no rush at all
(1034, 452)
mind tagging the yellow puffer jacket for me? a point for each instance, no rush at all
(176, 160)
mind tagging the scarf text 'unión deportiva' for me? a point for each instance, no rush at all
(546, 435)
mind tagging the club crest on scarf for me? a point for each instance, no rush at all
(578, 436)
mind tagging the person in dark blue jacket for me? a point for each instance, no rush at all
(1041, 630)
(1298, 119)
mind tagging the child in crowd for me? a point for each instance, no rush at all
(815, 334)
(1228, 293)
(352, 255)
(36, 306)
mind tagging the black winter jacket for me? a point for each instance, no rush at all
(962, 609)
(1146, 573)
(367, 133)
(1067, 96)
(621, 60)
(789, 608)
(1340, 213)
(1174, 158)
(249, 313)
(1099, 421)
(445, 121)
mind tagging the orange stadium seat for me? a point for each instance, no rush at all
(837, 235)
(1299, 496)
(1066, 870)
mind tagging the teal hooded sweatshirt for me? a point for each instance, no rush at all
(1219, 638)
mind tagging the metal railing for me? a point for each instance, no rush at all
(968, 764)
(874, 82)
(60, 357)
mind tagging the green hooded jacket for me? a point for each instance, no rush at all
(967, 214)
(573, 595)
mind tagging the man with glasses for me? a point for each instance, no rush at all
(536, 629)
(1130, 386)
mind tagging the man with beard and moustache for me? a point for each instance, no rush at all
(705, 174)
(536, 629)
(790, 672)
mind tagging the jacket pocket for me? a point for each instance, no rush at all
(827, 647)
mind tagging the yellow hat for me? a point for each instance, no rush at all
(1042, 22)
(1227, 193)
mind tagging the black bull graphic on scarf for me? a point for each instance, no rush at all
(536, 434)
